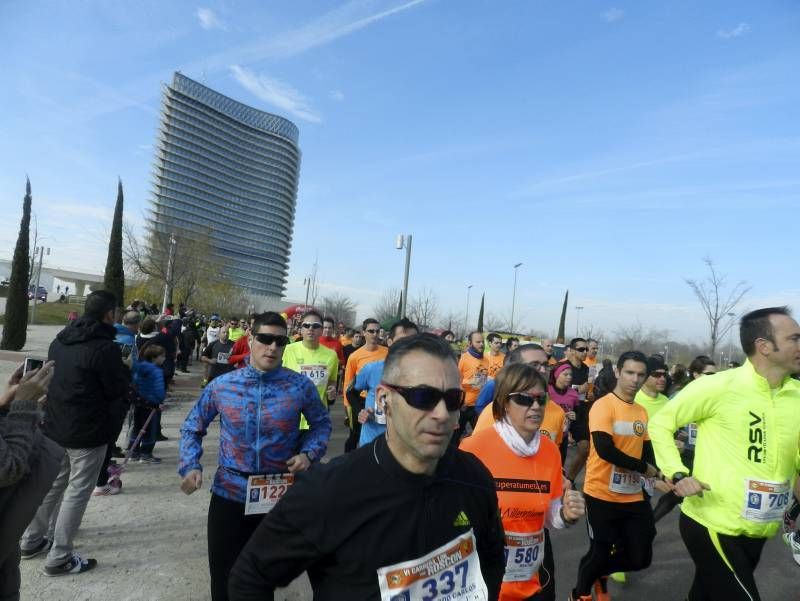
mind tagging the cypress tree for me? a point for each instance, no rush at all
(15, 330)
(480, 314)
(114, 278)
(562, 323)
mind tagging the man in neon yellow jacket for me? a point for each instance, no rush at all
(746, 458)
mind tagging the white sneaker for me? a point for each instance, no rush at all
(793, 540)
(104, 491)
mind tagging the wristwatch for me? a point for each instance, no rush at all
(311, 455)
(678, 476)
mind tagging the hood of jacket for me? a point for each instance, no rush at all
(86, 328)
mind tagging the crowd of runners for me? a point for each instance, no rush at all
(457, 465)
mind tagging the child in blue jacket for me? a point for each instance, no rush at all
(149, 382)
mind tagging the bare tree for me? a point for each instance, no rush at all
(340, 307)
(495, 323)
(716, 304)
(386, 309)
(423, 309)
(634, 337)
(592, 331)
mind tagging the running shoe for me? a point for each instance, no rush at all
(618, 577)
(106, 490)
(793, 540)
(74, 565)
(573, 596)
(40, 549)
(601, 589)
(149, 459)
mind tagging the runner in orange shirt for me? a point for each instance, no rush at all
(621, 526)
(473, 367)
(526, 467)
(495, 356)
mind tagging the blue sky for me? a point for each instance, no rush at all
(606, 146)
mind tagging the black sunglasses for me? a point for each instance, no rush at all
(269, 339)
(426, 398)
(581, 349)
(523, 399)
(372, 331)
(313, 326)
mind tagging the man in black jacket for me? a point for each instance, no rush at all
(85, 402)
(404, 517)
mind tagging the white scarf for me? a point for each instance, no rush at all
(514, 441)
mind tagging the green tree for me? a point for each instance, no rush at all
(480, 314)
(563, 322)
(114, 278)
(15, 329)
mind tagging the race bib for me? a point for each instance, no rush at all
(317, 373)
(450, 572)
(692, 428)
(223, 357)
(624, 482)
(765, 501)
(264, 492)
(524, 555)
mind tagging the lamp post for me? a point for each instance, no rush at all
(514, 299)
(466, 314)
(40, 250)
(404, 241)
(578, 308)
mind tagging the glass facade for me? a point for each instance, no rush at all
(225, 168)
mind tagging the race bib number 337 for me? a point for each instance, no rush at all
(448, 573)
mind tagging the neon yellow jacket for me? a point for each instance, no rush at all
(745, 433)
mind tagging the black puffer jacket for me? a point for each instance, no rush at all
(88, 390)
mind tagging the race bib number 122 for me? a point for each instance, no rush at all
(450, 572)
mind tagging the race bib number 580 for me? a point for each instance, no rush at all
(450, 572)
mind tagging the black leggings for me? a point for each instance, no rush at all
(621, 540)
(228, 532)
(547, 572)
(723, 571)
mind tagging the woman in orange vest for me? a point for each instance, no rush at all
(528, 478)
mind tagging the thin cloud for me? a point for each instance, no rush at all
(208, 19)
(612, 15)
(736, 32)
(276, 93)
(337, 95)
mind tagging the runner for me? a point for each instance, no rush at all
(357, 541)
(369, 352)
(566, 397)
(259, 408)
(494, 358)
(621, 528)
(373, 417)
(651, 396)
(745, 459)
(473, 367)
(315, 361)
(527, 470)
(234, 331)
(356, 343)
(331, 341)
(215, 356)
(241, 348)
(511, 344)
(576, 352)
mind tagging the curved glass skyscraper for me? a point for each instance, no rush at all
(229, 171)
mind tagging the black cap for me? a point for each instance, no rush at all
(655, 363)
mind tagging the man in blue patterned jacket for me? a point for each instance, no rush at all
(259, 408)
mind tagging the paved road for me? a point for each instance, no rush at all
(150, 540)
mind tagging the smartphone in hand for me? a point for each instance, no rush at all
(32, 363)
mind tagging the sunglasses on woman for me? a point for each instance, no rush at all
(523, 399)
(426, 398)
(269, 339)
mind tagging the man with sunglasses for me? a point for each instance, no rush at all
(370, 352)
(405, 517)
(314, 360)
(651, 396)
(259, 407)
(576, 353)
(373, 417)
(234, 331)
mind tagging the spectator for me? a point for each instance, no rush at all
(84, 404)
(29, 463)
(149, 381)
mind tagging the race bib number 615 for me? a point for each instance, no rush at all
(448, 573)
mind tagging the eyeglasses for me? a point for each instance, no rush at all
(523, 399)
(426, 398)
(581, 349)
(497, 342)
(709, 373)
(269, 339)
(372, 331)
(313, 326)
(658, 374)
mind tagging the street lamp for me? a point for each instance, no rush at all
(404, 241)
(578, 308)
(466, 314)
(514, 299)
